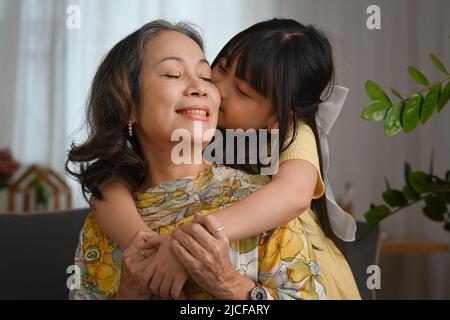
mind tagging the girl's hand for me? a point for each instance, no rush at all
(206, 257)
(167, 274)
(135, 258)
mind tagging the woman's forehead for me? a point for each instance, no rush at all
(172, 44)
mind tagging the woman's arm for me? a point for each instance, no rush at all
(281, 200)
(117, 214)
(207, 260)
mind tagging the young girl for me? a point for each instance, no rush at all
(270, 76)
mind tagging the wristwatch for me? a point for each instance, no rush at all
(258, 292)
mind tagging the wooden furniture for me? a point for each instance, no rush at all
(24, 187)
(411, 245)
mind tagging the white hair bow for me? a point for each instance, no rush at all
(342, 223)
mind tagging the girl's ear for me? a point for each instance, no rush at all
(291, 118)
(274, 124)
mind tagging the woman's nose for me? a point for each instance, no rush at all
(196, 87)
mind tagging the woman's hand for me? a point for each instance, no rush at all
(167, 274)
(135, 260)
(207, 260)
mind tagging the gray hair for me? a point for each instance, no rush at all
(153, 28)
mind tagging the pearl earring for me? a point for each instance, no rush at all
(130, 128)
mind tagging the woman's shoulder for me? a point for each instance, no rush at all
(226, 185)
(223, 174)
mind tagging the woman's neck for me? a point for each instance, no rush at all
(161, 168)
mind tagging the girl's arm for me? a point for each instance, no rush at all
(287, 196)
(117, 214)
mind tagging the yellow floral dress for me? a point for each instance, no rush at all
(336, 274)
(282, 260)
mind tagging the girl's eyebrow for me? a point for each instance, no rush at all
(181, 60)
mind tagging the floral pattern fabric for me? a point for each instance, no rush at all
(282, 260)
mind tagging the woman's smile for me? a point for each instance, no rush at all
(197, 113)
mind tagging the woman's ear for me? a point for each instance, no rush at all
(133, 116)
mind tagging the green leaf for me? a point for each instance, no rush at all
(40, 191)
(394, 198)
(445, 96)
(444, 196)
(376, 214)
(438, 184)
(418, 76)
(392, 123)
(447, 176)
(435, 208)
(430, 171)
(433, 215)
(420, 181)
(375, 92)
(437, 205)
(397, 94)
(411, 112)
(407, 171)
(447, 226)
(438, 64)
(430, 103)
(388, 187)
(375, 111)
(410, 193)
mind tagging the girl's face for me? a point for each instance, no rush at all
(176, 90)
(241, 107)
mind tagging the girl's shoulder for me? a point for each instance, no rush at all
(301, 146)
(304, 147)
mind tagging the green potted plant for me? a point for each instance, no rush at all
(41, 194)
(406, 114)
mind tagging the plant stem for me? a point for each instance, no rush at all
(434, 83)
(428, 87)
(422, 197)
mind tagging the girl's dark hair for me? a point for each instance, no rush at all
(292, 65)
(109, 151)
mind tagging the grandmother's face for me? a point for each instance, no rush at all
(176, 89)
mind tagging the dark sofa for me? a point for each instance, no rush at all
(36, 250)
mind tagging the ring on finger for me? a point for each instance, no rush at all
(142, 252)
(217, 230)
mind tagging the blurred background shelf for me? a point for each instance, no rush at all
(412, 245)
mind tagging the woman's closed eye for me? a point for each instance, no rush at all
(172, 76)
(206, 79)
(178, 76)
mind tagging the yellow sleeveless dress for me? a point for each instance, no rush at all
(335, 272)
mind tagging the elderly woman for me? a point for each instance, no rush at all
(134, 107)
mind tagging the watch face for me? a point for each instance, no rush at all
(259, 294)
